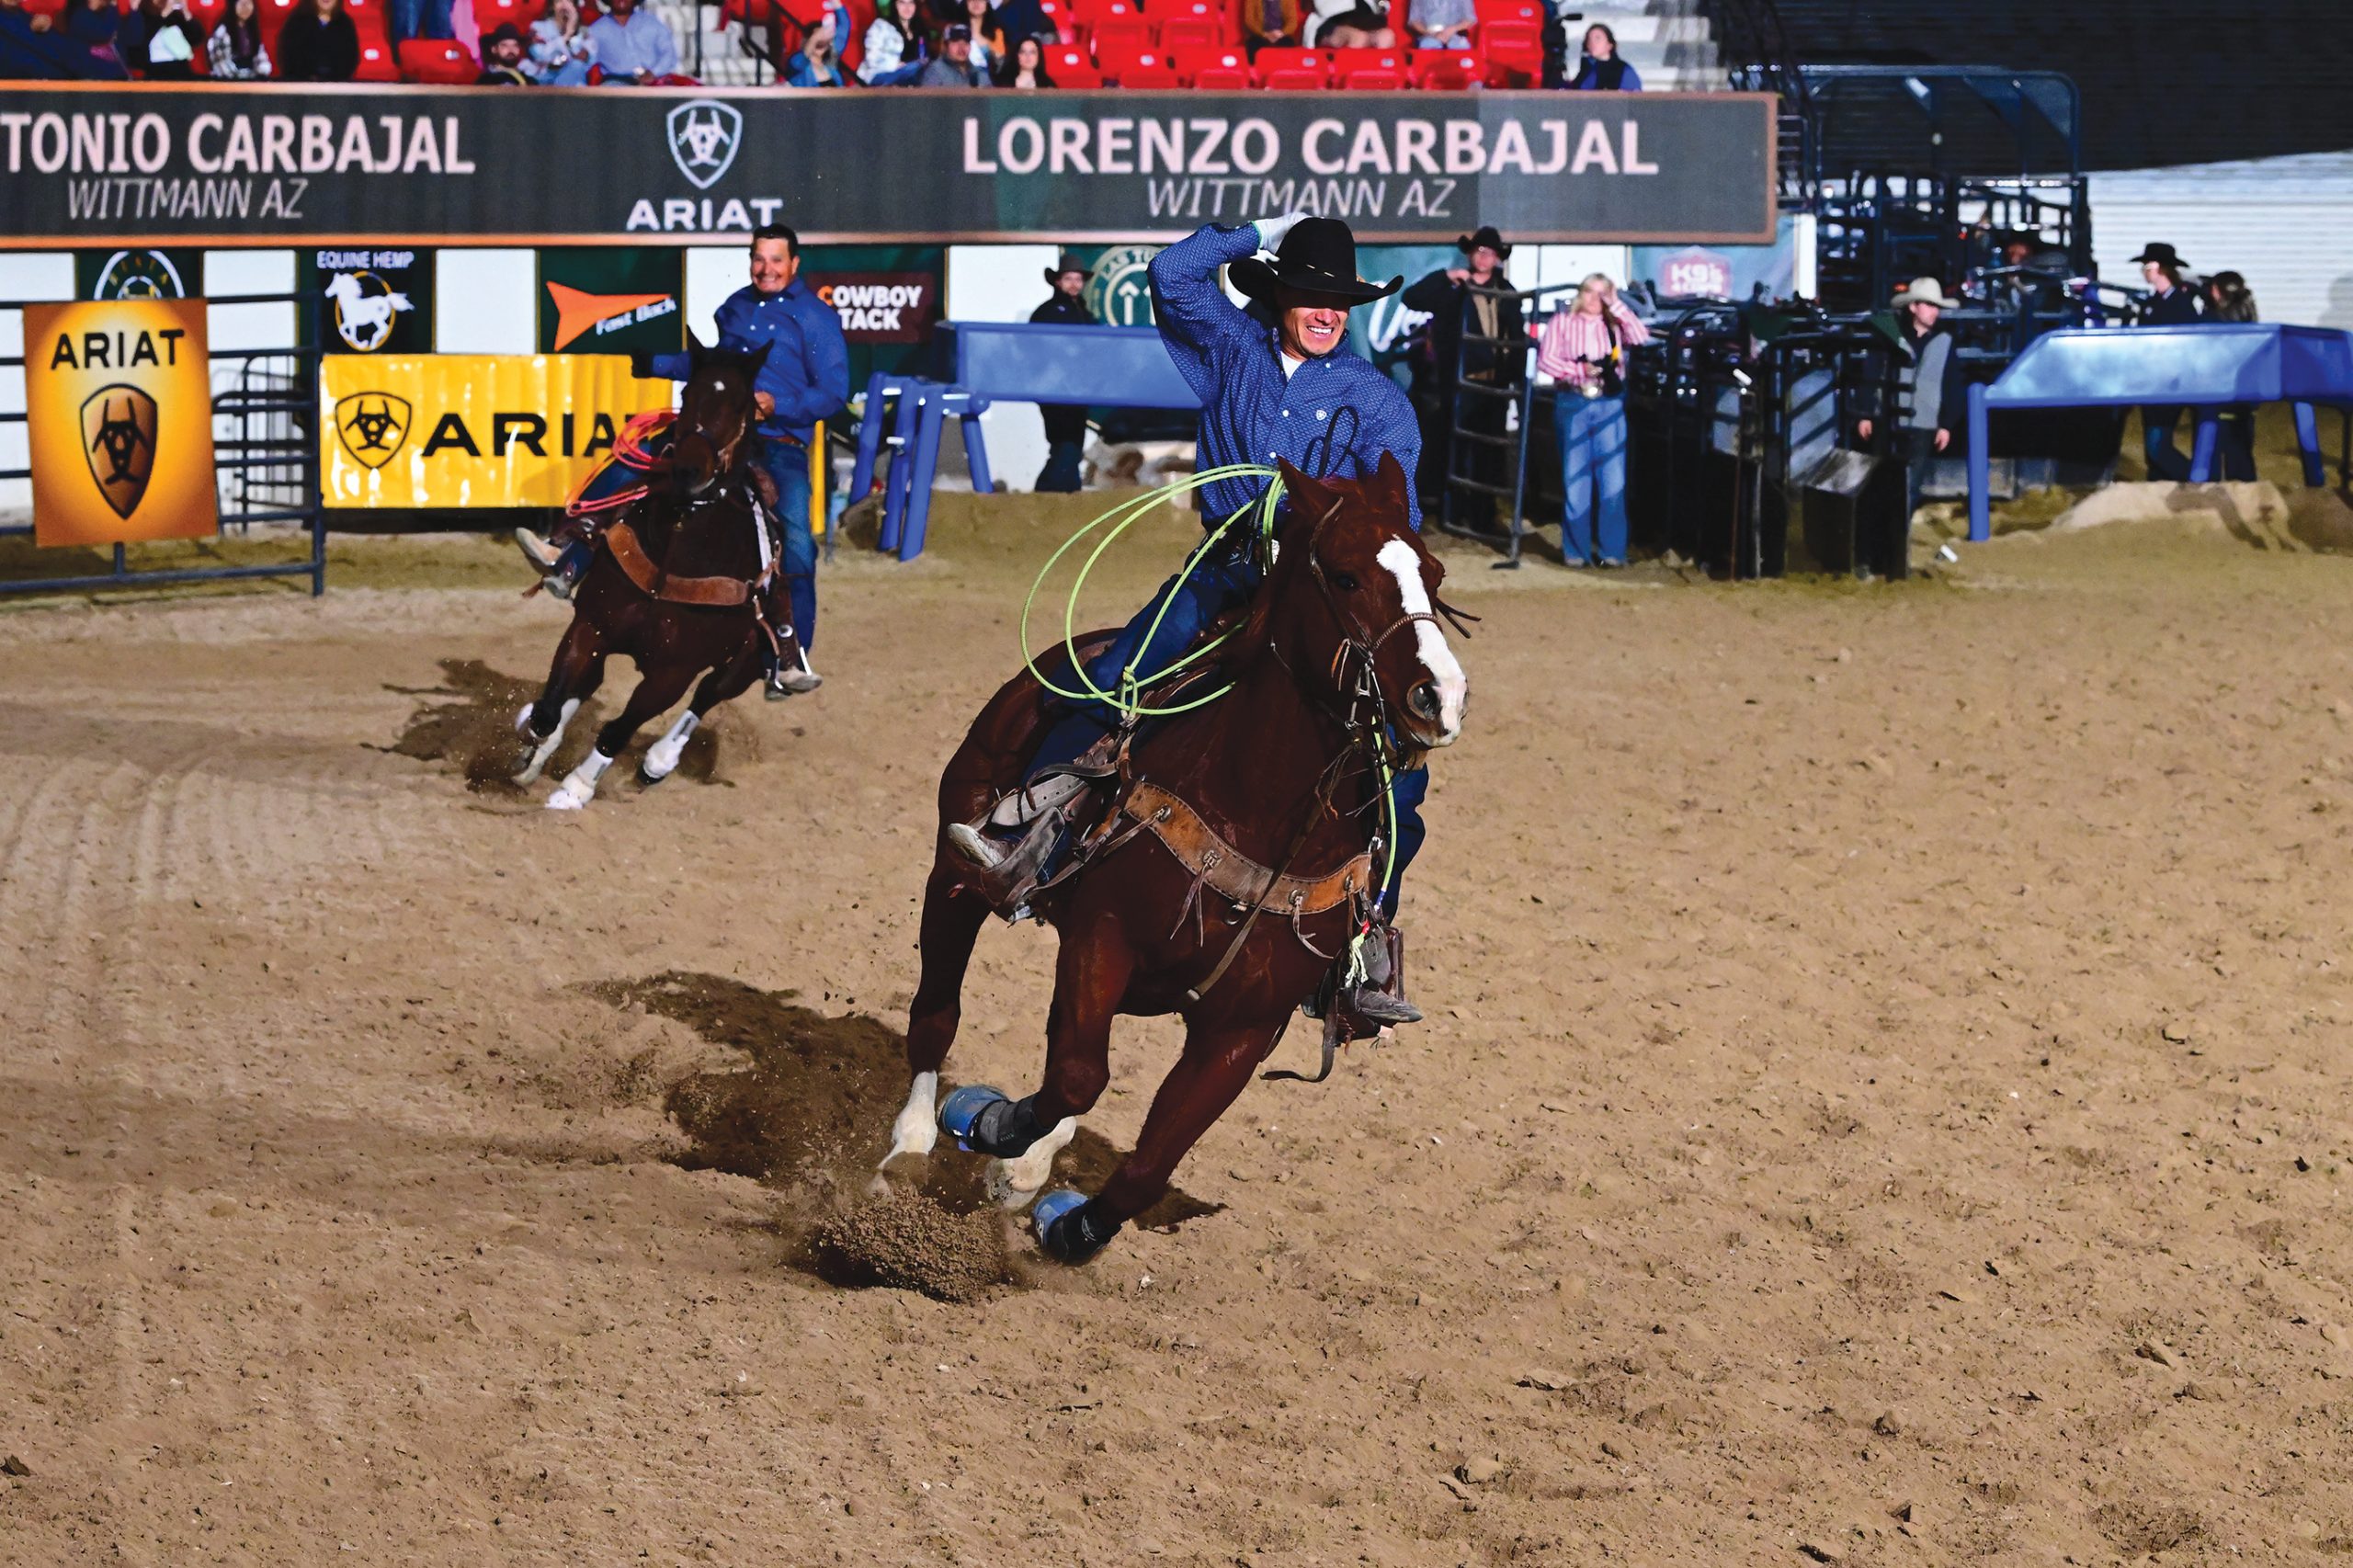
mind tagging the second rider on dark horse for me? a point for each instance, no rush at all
(1277, 384)
(803, 378)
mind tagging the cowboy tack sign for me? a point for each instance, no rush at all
(221, 164)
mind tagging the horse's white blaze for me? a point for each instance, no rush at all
(1015, 1182)
(662, 757)
(918, 1123)
(546, 748)
(579, 786)
(1453, 686)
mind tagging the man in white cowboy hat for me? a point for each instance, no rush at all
(1926, 385)
(1065, 422)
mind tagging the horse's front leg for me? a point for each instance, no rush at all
(1090, 977)
(725, 684)
(1211, 1074)
(662, 686)
(577, 670)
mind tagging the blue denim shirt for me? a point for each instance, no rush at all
(808, 365)
(1333, 417)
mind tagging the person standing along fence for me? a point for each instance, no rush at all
(1582, 349)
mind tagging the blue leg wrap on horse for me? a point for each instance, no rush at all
(1070, 1227)
(982, 1119)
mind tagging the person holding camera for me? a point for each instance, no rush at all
(1582, 349)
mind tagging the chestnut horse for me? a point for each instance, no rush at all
(1236, 860)
(674, 586)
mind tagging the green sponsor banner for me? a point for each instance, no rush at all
(174, 273)
(612, 299)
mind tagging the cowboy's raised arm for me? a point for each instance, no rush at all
(1190, 305)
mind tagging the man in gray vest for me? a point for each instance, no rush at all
(1928, 386)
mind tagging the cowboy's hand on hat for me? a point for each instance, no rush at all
(1272, 229)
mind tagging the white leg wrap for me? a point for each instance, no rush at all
(1015, 1182)
(546, 748)
(662, 757)
(579, 785)
(918, 1123)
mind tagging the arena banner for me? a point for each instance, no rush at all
(221, 165)
(114, 274)
(622, 299)
(428, 431)
(372, 300)
(119, 416)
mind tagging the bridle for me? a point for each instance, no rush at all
(722, 456)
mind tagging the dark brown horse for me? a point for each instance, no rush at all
(1233, 866)
(674, 586)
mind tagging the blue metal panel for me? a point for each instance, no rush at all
(1106, 366)
(2315, 364)
(2210, 363)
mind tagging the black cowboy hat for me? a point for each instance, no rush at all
(1487, 236)
(1067, 263)
(2157, 250)
(1318, 255)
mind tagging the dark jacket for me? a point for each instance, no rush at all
(1899, 375)
(1451, 306)
(1064, 422)
(2177, 309)
(311, 49)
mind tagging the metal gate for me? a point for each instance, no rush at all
(265, 455)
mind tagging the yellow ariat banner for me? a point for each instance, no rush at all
(119, 416)
(434, 430)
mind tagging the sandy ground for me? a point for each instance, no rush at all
(1884, 1102)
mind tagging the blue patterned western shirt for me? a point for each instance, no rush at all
(1333, 417)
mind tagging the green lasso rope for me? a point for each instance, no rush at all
(1128, 701)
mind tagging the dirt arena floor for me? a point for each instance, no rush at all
(1884, 1101)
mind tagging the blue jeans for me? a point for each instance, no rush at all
(2164, 459)
(1593, 476)
(786, 462)
(1062, 474)
(419, 18)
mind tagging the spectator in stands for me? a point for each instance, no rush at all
(1027, 68)
(818, 62)
(1269, 23)
(1602, 69)
(502, 58)
(979, 18)
(318, 43)
(2169, 303)
(560, 50)
(1442, 24)
(1925, 384)
(234, 51)
(418, 18)
(898, 45)
(2228, 298)
(955, 67)
(82, 39)
(1456, 307)
(30, 48)
(159, 40)
(1065, 422)
(1348, 24)
(634, 46)
(1582, 348)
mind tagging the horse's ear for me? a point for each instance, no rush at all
(1391, 486)
(760, 355)
(1305, 495)
(695, 347)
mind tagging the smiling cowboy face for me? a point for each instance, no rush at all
(1313, 324)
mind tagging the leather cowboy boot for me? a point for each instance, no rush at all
(1006, 874)
(1379, 997)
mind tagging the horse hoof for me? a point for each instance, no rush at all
(567, 799)
(523, 720)
(1059, 1229)
(963, 1107)
(997, 1182)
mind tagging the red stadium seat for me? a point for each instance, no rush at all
(1082, 74)
(1118, 61)
(1224, 79)
(1372, 81)
(1448, 70)
(1058, 16)
(1295, 79)
(1068, 60)
(1192, 63)
(54, 8)
(272, 14)
(1293, 61)
(437, 61)
(1149, 77)
(1513, 45)
(1191, 33)
(1345, 61)
(1510, 11)
(207, 14)
(376, 61)
(1118, 33)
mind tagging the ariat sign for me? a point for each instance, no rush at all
(426, 431)
(119, 419)
(227, 164)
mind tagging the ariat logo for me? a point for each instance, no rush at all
(704, 134)
(372, 425)
(118, 438)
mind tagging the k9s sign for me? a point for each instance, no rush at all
(216, 163)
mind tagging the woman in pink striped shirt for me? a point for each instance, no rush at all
(1582, 348)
